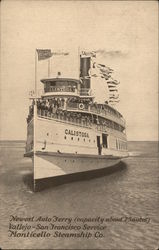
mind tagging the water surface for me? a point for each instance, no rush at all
(130, 191)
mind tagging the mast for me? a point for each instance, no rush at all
(35, 75)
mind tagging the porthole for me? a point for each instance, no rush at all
(78, 139)
(65, 137)
(84, 139)
(71, 138)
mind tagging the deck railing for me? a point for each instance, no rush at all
(93, 110)
(60, 117)
(76, 121)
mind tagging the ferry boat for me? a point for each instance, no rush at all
(68, 132)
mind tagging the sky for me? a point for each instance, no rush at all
(125, 34)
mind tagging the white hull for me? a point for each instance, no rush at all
(52, 164)
(56, 152)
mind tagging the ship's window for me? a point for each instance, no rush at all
(71, 138)
(65, 137)
(78, 139)
(104, 140)
(84, 139)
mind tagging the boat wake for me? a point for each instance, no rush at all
(135, 153)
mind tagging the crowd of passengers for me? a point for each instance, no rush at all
(50, 104)
(56, 103)
(56, 107)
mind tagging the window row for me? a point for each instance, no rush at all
(79, 139)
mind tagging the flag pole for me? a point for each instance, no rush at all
(35, 75)
(79, 61)
(34, 122)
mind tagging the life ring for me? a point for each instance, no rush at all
(81, 106)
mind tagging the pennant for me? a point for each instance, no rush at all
(114, 101)
(113, 90)
(107, 75)
(113, 82)
(94, 75)
(111, 86)
(104, 72)
(44, 54)
(113, 97)
(104, 67)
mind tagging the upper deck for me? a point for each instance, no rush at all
(69, 96)
(65, 87)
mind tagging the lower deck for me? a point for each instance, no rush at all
(59, 148)
(55, 135)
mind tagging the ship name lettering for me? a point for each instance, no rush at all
(76, 133)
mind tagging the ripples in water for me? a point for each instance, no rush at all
(128, 189)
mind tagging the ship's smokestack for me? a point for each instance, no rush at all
(85, 64)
